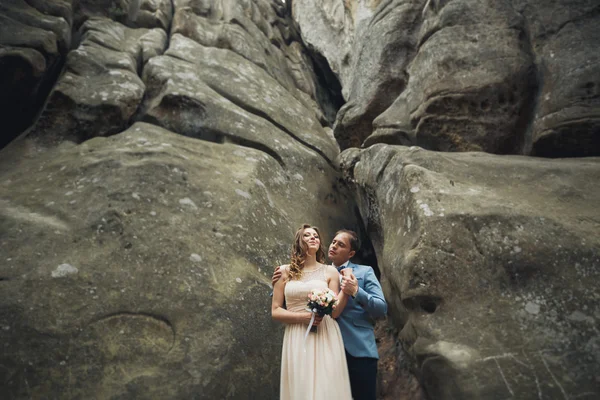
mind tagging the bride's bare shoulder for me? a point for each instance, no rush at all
(331, 270)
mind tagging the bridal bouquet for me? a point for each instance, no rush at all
(321, 302)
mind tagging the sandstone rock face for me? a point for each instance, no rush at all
(143, 214)
(328, 26)
(367, 44)
(490, 264)
(100, 90)
(266, 114)
(34, 36)
(183, 141)
(509, 77)
(566, 42)
(482, 74)
(138, 266)
(134, 13)
(395, 380)
(256, 31)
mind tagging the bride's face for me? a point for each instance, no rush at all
(312, 240)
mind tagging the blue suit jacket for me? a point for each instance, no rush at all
(358, 318)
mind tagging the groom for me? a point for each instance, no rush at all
(356, 322)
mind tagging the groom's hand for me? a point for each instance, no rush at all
(276, 276)
(349, 284)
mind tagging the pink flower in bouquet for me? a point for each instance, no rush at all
(321, 302)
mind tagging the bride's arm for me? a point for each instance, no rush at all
(334, 284)
(278, 313)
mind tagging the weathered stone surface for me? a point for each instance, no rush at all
(383, 53)
(21, 12)
(255, 30)
(490, 264)
(138, 266)
(133, 13)
(31, 46)
(368, 45)
(100, 90)
(500, 76)
(195, 90)
(328, 26)
(395, 380)
(568, 116)
(58, 8)
(153, 250)
(154, 14)
(478, 94)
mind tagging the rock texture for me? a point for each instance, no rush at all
(34, 36)
(138, 266)
(395, 380)
(99, 90)
(134, 13)
(508, 77)
(143, 213)
(173, 146)
(490, 264)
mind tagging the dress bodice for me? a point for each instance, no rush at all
(296, 291)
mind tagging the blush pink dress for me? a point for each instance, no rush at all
(315, 369)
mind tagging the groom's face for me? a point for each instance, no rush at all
(340, 250)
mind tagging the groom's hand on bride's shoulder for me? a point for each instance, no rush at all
(276, 276)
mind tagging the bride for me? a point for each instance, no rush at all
(313, 368)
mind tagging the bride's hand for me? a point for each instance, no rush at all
(347, 272)
(308, 315)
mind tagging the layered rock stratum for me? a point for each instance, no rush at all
(500, 76)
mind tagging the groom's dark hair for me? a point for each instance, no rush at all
(354, 241)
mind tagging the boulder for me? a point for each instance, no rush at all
(195, 90)
(33, 42)
(262, 33)
(138, 266)
(215, 25)
(368, 45)
(385, 48)
(567, 123)
(138, 255)
(478, 93)
(328, 26)
(500, 76)
(490, 265)
(133, 13)
(100, 90)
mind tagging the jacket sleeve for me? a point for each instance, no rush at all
(371, 297)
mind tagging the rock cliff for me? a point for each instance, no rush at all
(162, 153)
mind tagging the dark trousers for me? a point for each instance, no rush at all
(363, 377)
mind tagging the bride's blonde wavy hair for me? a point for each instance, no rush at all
(299, 252)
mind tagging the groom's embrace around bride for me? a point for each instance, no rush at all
(357, 320)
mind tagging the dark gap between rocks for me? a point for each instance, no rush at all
(329, 89)
(366, 255)
(22, 109)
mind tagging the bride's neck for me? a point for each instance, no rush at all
(311, 261)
